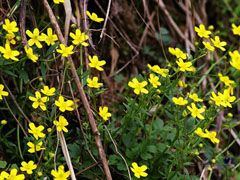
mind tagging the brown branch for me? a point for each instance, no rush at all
(14, 100)
(23, 22)
(81, 92)
(106, 19)
(14, 117)
(87, 168)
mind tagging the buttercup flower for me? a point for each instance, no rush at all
(182, 84)
(65, 51)
(61, 123)
(139, 171)
(185, 66)
(202, 32)
(179, 101)
(64, 105)
(60, 174)
(195, 97)
(235, 59)
(10, 38)
(2, 92)
(30, 55)
(196, 112)
(138, 86)
(158, 70)
(103, 112)
(154, 81)
(34, 147)
(95, 63)
(13, 175)
(35, 38)
(47, 91)
(207, 134)
(79, 38)
(49, 38)
(38, 100)
(58, 1)
(8, 53)
(177, 52)
(93, 83)
(10, 27)
(218, 44)
(208, 46)
(225, 80)
(236, 29)
(36, 131)
(94, 17)
(29, 167)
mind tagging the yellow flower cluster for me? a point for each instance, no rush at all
(216, 43)
(223, 99)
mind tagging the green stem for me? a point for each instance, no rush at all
(81, 64)
(226, 148)
(210, 175)
(18, 141)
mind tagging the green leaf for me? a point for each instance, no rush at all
(51, 49)
(24, 76)
(14, 166)
(152, 149)
(10, 73)
(190, 124)
(74, 150)
(113, 160)
(158, 124)
(3, 164)
(146, 156)
(43, 71)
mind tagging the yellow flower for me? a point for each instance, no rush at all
(29, 167)
(225, 80)
(58, 1)
(224, 99)
(2, 92)
(218, 44)
(139, 171)
(216, 99)
(49, 38)
(34, 148)
(212, 136)
(179, 101)
(93, 83)
(202, 32)
(158, 70)
(200, 133)
(79, 38)
(195, 112)
(47, 91)
(39, 173)
(64, 105)
(61, 123)
(138, 86)
(235, 59)
(65, 51)
(60, 174)
(154, 81)
(227, 99)
(3, 122)
(208, 46)
(95, 63)
(35, 37)
(103, 112)
(94, 17)
(38, 100)
(10, 38)
(10, 27)
(195, 98)
(13, 175)
(185, 66)
(8, 53)
(236, 29)
(36, 131)
(177, 52)
(30, 55)
(182, 84)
